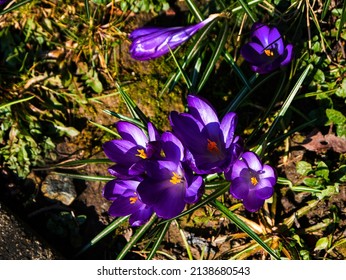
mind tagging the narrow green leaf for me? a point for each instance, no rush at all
(87, 8)
(138, 234)
(105, 129)
(241, 225)
(124, 118)
(158, 241)
(194, 9)
(220, 44)
(86, 177)
(16, 102)
(15, 6)
(325, 8)
(283, 110)
(82, 162)
(247, 10)
(110, 228)
(342, 20)
(131, 105)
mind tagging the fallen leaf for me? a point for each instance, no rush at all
(319, 143)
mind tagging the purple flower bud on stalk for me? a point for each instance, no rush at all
(266, 52)
(152, 42)
(126, 201)
(211, 146)
(251, 181)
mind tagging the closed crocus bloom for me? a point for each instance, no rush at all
(266, 50)
(211, 145)
(152, 42)
(251, 181)
(126, 201)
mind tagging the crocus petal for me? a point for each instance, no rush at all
(132, 133)
(253, 53)
(141, 216)
(236, 170)
(287, 56)
(228, 125)
(172, 147)
(239, 187)
(201, 110)
(123, 206)
(252, 203)
(269, 173)
(195, 190)
(115, 188)
(275, 39)
(154, 135)
(252, 160)
(260, 32)
(264, 189)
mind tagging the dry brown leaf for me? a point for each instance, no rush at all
(319, 143)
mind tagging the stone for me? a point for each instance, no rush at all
(59, 187)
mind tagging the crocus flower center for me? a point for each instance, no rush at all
(141, 154)
(212, 147)
(268, 52)
(175, 179)
(133, 199)
(254, 180)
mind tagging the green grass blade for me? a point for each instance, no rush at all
(131, 105)
(16, 102)
(194, 10)
(138, 234)
(15, 6)
(124, 118)
(197, 44)
(247, 10)
(220, 44)
(73, 163)
(106, 129)
(110, 228)
(158, 241)
(283, 110)
(86, 177)
(87, 8)
(241, 225)
(342, 20)
(325, 9)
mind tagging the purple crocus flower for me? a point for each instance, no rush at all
(251, 181)
(266, 52)
(169, 184)
(152, 42)
(211, 146)
(130, 152)
(126, 201)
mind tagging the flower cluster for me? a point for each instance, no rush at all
(162, 173)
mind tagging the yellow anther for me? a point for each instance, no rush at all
(212, 147)
(254, 181)
(141, 154)
(176, 179)
(133, 199)
(269, 52)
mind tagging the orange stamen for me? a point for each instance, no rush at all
(212, 147)
(141, 154)
(269, 52)
(176, 179)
